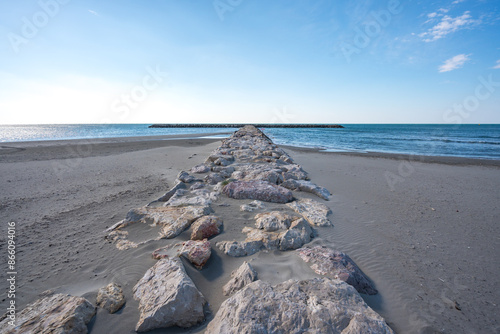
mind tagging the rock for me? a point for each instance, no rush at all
(259, 190)
(185, 177)
(299, 234)
(197, 185)
(240, 248)
(307, 186)
(111, 297)
(168, 297)
(225, 172)
(274, 220)
(200, 169)
(319, 305)
(196, 251)
(314, 212)
(244, 275)
(198, 197)
(173, 220)
(265, 172)
(252, 206)
(293, 172)
(206, 227)
(55, 313)
(213, 178)
(172, 191)
(334, 264)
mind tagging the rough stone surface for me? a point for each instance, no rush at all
(185, 177)
(206, 227)
(299, 234)
(252, 206)
(240, 248)
(111, 297)
(274, 220)
(196, 251)
(259, 190)
(213, 178)
(307, 186)
(314, 212)
(54, 313)
(200, 197)
(168, 297)
(319, 306)
(200, 169)
(242, 276)
(172, 191)
(335, 264)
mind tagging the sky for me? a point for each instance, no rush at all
(249, 61)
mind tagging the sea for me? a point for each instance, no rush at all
(481, 141)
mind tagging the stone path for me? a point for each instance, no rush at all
(247, 165)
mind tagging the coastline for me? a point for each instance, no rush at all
(413, 253)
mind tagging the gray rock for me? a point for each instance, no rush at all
(307, 186)
(185, 177)
(294, 172)
(172, 191)
(315, 306)
(54, 313)
(299, 234)
(314, 212)
(274, 220)
(213, 178)
(338, 265)
(259, 190)
(199, 197)
(200, 169)
(168, 297)
(240, 248)
(111, 297)
(242, 276)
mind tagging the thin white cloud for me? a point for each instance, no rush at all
(457, 1)
(448, 25)
(497, 66)
(454, 63)
(93, 12)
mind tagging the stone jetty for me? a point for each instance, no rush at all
(247, 173)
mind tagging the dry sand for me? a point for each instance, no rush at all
(429, 242)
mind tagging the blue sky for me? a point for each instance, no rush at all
(293, 61)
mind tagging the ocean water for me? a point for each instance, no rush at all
(470, 140)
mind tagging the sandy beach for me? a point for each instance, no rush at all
(425, 230)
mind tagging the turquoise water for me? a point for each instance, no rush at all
(471, 140)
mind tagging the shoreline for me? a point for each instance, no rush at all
(158, 141)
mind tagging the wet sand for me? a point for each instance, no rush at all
(424, 231)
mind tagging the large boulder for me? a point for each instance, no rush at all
(299, 234)
(319, 305)
(258, 190)
(314, 212)
(242, 276)
(110, 297)
(168, 297)
(274, 220)
(206, 227)
(240, 248)
(334, 264)
(196, 251)
(55, 313)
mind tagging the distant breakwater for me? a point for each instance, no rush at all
(263, 125)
